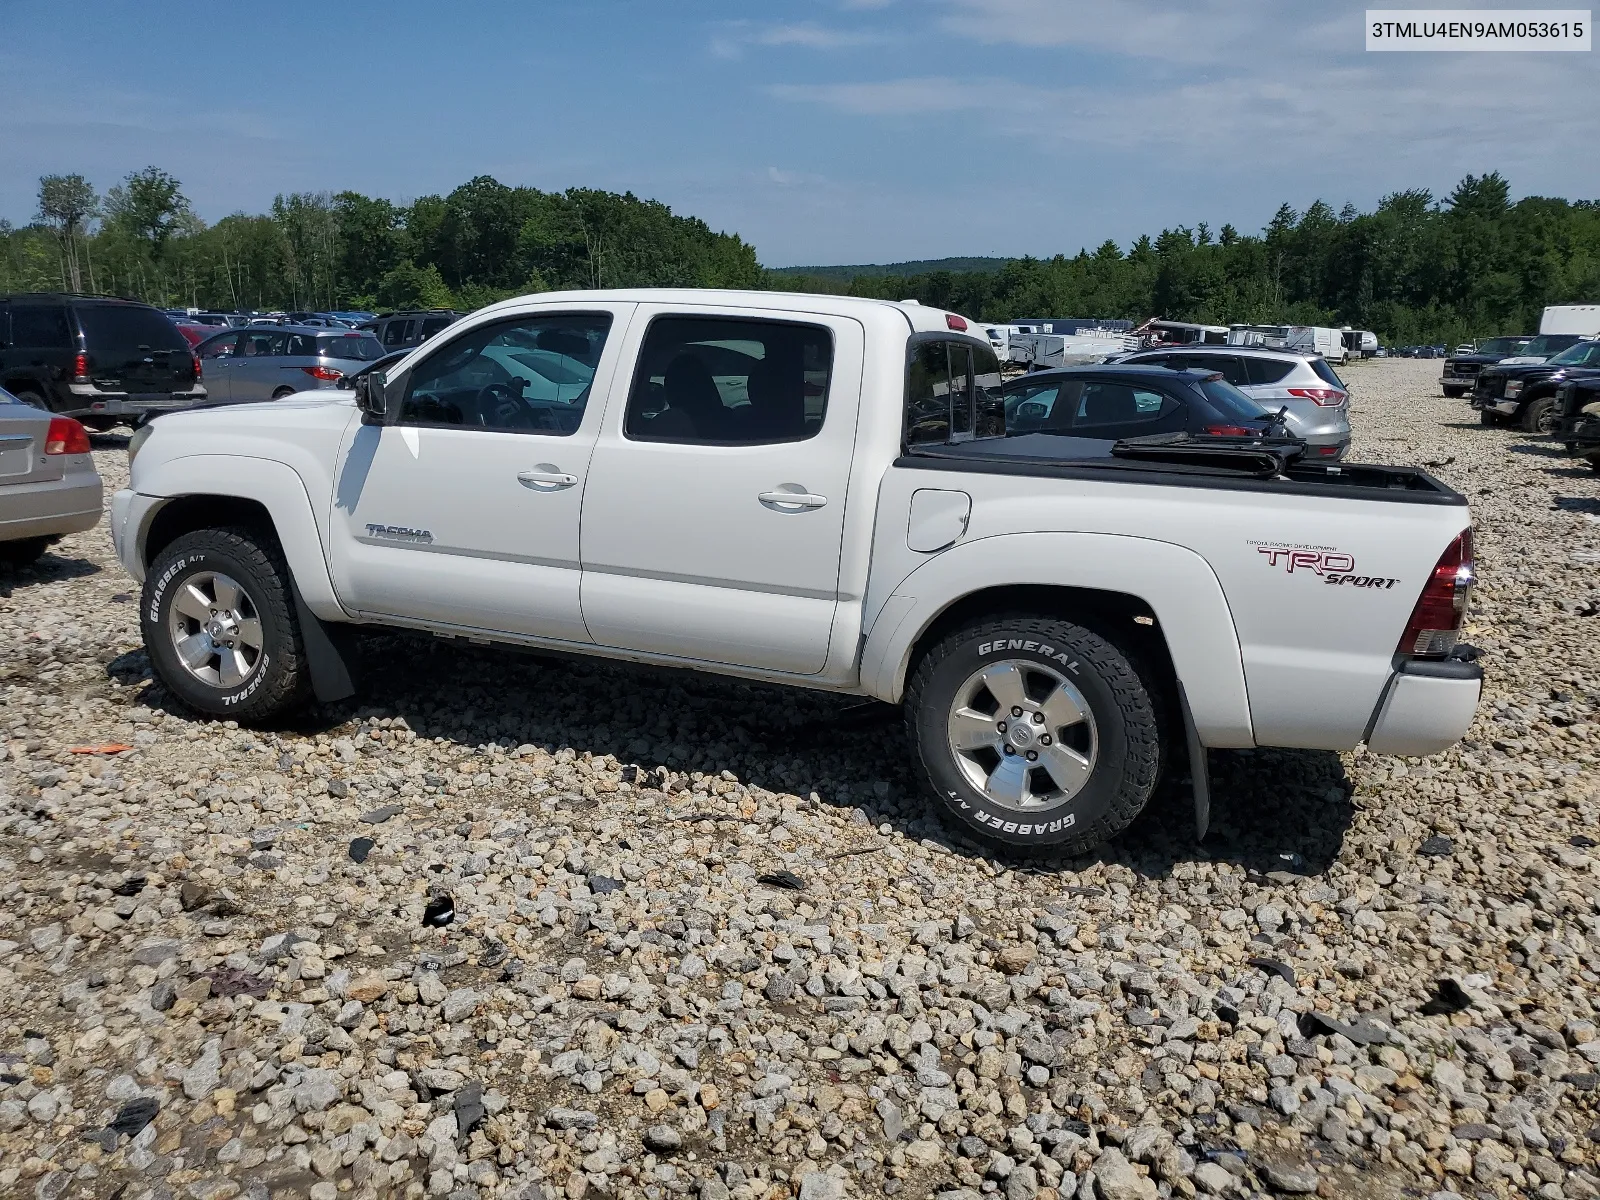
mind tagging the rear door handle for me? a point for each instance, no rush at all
(546, 477)
(785, 501)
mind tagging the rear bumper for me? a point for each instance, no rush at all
(1426, 708)
(55, 508)
(90, 401)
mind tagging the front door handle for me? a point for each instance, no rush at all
(791, 497)
(546, 477)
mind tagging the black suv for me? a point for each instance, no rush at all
(397, 330)
(102, 360)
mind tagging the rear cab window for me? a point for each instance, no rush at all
(953, 392)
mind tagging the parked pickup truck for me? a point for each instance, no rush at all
(817, 491)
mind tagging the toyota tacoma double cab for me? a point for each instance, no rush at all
(815, 491)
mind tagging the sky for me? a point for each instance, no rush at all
(839, 131)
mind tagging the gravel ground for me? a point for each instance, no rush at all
(706, 943)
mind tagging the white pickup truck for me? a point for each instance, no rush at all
(816, 491)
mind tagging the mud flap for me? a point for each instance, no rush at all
(1199, 775)
(329, 653)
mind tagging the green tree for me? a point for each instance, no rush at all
(66, 203)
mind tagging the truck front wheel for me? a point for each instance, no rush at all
(1035, 733)
(219, 623)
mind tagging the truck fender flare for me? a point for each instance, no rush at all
(1177, 584)
(278, 488)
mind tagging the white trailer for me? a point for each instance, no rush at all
(1582, 319)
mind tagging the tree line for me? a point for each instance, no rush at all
(1415, 269)
(330, 251)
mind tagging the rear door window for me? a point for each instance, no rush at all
(1326, 373)
(124, 331)
(263, 343)
(42, 327)
(433, 325)
(394, 333)
(1262, 371)
(724, 381)
(1124, 410)
(347, 345)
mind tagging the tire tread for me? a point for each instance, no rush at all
(1119, 667)
(290, 684)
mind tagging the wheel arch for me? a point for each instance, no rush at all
(260, 494)
(1106, 582)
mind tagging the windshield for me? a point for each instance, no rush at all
(1505, 346)
(1547, 344)
(1584, 354)
(1229, 401)
(360, 346)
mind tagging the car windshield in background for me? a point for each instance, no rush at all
(361, 347)
(1547, 344)
(1326, 373)
(122, 330)
(1229, 401)
(1506, 346)
(1584, 354)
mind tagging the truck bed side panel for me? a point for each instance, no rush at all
(1318, 588)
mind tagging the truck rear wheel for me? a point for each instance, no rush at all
(219, 622)
(1035, 733)
(1455, 393)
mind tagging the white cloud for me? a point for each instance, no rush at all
(732, 39)
(923, 96)
(1192, 33)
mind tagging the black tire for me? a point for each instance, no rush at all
(1539, 415)
(1126, 734)
(282, 392)
(1487, 416)
(1594, 465)
(22, 551)
(32, 399)
(1455, 393)
(279, 678)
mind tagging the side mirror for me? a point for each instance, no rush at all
(371, 395)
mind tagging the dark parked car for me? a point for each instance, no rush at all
(1526, 392)
(1114, 402)
(398, 330)
(1460, 372)
(101, 360)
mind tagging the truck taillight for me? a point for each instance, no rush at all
(80, 368)
(1435, 624)
(66, 436)
(1326, 397)
(327, 373)
(195, 358)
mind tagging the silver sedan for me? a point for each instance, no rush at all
(48, 485)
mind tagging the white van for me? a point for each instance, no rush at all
(1581, 319)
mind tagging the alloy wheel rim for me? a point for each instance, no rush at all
(216, 630)
(1023, 734)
